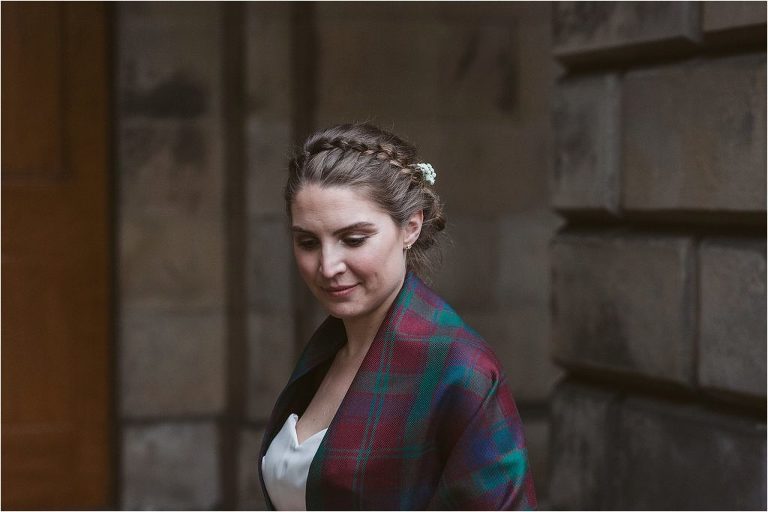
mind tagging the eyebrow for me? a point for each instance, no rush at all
(356, 225)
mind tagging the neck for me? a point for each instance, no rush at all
(362, 330)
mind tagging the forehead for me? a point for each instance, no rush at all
(315, 205)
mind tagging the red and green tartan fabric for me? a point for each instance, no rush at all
(428, 421)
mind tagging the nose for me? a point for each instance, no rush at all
(331, 262)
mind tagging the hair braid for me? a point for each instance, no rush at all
(380, 151)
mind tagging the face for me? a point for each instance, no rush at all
(350, 253)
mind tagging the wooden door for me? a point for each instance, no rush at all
(56, 313)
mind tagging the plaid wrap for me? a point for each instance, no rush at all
(428, 421)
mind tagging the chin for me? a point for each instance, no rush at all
(343, 312)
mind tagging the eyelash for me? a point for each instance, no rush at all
(350, 241)
(356, 241)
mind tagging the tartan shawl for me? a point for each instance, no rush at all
(428, 421)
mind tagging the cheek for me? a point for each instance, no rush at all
(374, 260)
(364, 264)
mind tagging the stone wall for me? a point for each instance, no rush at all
(658, 277)
(204, 117)
(171, 254)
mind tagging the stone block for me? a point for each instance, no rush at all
(270, 105)
(581, 419)
(468, 276)
(171, 363)
(268, 33)
(587, 144)
(270, 362)
(364, 74)
(526, 351)
(594, 32)
(268, 151)
(251, 496)
(170, 168)
(732, 347)
(489, 168)
(480, 72)
(169, 60)
(172, 466)
(679, 457)
(523, 264)
(171, 262)
(270, 265)
(493, 71)
(693, 136)
(733, 22)
(625, 302)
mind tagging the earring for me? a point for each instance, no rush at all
(408, 247)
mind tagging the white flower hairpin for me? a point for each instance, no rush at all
(428, 172)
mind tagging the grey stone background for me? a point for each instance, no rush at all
(603, 168)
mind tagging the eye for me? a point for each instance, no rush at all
(355, 241)
(307, 243)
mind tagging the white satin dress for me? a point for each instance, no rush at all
(285, 466)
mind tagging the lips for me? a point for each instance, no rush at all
(339, 291)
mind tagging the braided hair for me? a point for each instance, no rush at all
(382, 165)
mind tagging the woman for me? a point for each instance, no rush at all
(395, 402)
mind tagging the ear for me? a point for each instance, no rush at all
(412, 228)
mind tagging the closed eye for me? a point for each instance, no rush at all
(356, 241)
(309, 244)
